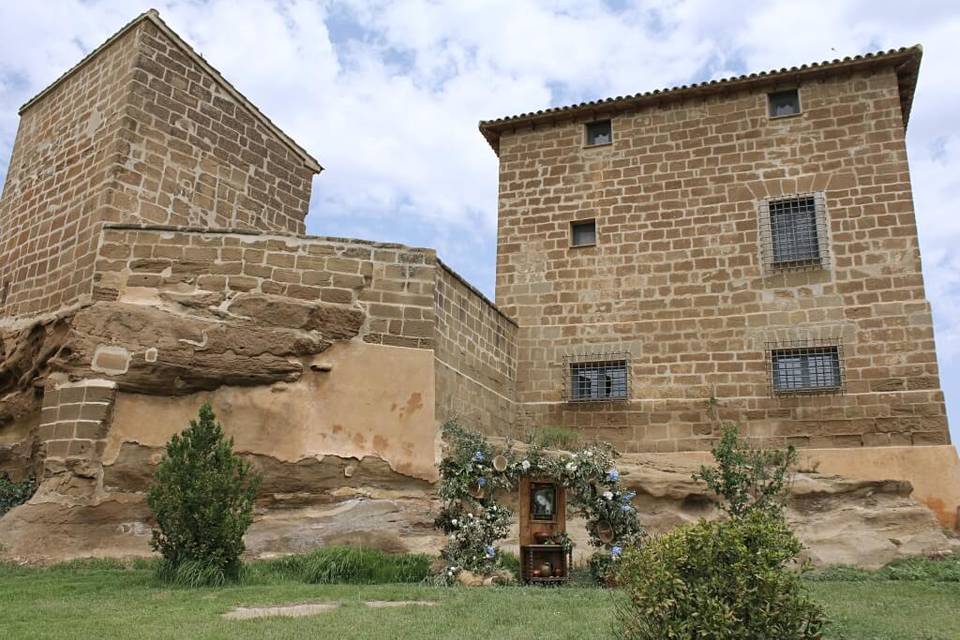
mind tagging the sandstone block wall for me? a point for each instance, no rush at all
(263, 277)
(140, 132)
(66, 151)
(476, 355)
(676, 279)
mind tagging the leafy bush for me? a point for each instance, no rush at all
(13, 493)
(747, 479)
(722, 580)
(202, 499)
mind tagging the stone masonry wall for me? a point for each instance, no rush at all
(476, 358)
(66, 150)
(139, 133)
(675, 278)
(73, 432)
(197, 156)
(221, 271)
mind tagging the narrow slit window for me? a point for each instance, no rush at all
(592, 379)
(784, 103)
(600, 132)
(584, 233)
(806, 369)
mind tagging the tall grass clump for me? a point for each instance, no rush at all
(13, 493)
(353, 565)
(202, 499)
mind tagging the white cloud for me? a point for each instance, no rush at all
(387, 95)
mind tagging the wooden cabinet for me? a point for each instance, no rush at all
(543, 516)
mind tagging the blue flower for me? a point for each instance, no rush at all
(491, 551)
(628, 496)
(625, 508)
(481, 482)
(613, 475)
(616, 551)
(478, 456)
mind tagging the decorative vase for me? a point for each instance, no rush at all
(500, 463)
(541, 537)
(604, 532)
(546, 569)
(558, 572)
(536, 573)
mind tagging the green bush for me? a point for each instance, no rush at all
(202, 499)
(13, 493)
(747, 479)
(722, 580)
(556, 438)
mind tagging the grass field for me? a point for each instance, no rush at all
(106, 600)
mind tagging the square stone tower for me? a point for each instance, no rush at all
(743, 250)
(141, 131)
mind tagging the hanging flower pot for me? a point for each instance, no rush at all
(500, 463)
(604, 532)
(478, 489)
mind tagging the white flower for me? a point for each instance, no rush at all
(571, 466)
(470, 514)
(589, 454)
(525, 465)
(608, 495)
(454, 522)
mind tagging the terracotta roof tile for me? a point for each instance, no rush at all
(905, 59)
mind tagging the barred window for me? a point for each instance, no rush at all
(597, 377)
(806, 367)
(794, 233)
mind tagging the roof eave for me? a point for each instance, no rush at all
(906, 62)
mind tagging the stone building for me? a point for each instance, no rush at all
(742, 250)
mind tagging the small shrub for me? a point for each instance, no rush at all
(942, 569)
(202, 499)
(725, 580)
(353, 565)
(747, 479)
(13, 494)
(556, 438)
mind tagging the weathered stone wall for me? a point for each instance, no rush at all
(198, 155)
(141, 132)
(476, 355)
(676, 280)
(64, 158)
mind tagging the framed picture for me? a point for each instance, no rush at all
(543, 501)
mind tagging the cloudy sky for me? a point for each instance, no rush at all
(387, 95)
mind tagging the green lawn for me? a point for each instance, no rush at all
(106, 601)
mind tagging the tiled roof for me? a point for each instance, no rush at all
(153, 16)
(906, 60)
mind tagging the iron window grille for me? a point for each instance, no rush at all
(598, 133)
(793, 233)
(583, 233)
(812, 366)
(597, 377)
(784, 103)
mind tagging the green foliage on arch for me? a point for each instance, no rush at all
(474, 473)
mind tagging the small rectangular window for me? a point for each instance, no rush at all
(784, 103)
(600, 132)
(598, 378)
(583, 234)
(793, 233)
(806, 367)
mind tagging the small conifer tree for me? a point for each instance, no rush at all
(202, 498)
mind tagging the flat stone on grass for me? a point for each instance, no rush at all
(287, 611)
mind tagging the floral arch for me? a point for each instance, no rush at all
(474, 473)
